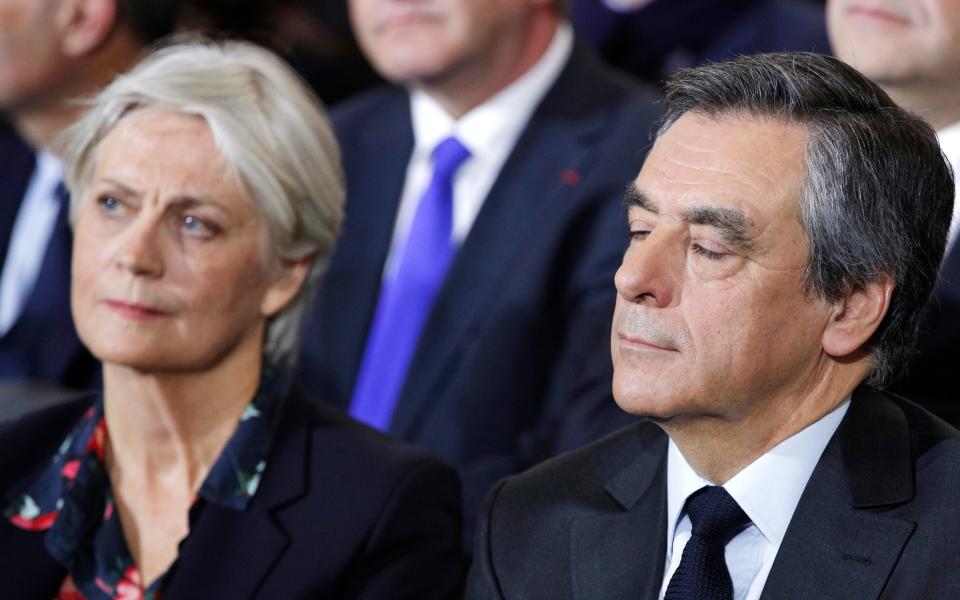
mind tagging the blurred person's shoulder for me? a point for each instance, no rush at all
(30, 438)
(356, 114)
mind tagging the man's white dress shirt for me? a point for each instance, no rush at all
(767, 490)
(949, 138)
(488, 131)
(31, 234)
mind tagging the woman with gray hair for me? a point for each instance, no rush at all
(206, 198)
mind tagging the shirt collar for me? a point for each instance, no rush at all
(949, 138)
(501, 117)
(769, 489)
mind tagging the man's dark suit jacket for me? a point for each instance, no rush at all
(932, 376)
(878, 518)
(43, 344)
(658, 39)
(513, 363)
(341, 512)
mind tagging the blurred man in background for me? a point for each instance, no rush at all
(653, 39)
(51, 54)
(911, 48)
(467, 305)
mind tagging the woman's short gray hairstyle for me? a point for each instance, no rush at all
(273, 134)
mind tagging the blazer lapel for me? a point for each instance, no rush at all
(229, 553)
(556, 141)
(34, 573)
(351, 287)
(837, 531)
(18, 163)
(620, 554)
(940, 326)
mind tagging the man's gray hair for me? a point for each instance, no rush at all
(273, 134)
(877, 196)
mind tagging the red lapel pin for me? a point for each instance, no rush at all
(570, 177)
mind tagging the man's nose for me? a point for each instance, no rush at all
(651, 271)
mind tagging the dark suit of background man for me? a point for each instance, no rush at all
(786, 231)
(508, 365)
(653, 39)
(912, 50)
(51, 53)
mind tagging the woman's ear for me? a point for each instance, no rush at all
(84, 25)
(285, 285)
(857, 316)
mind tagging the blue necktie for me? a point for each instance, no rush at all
(702, 573)
(407, 297)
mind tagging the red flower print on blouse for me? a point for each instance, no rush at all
(129, 588)
(98, 439)
(70, 469)
(69, 591)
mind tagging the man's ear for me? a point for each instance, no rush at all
(85, 25)
(856, 317)
(285, 286)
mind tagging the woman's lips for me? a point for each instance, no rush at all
(134, 311)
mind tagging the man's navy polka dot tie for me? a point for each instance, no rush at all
(702, 574)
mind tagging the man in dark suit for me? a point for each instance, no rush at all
(653, 39)
(912, 50)
(786, 231)
(50, 54)
(468, 302)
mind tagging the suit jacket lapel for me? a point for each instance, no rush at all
(620, 553)
(351, 288)
(18, 162)
(229, 553)
(557, 139)
(47, 308)
(940, 327)
(837, 532)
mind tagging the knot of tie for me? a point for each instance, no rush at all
(447, 156)
(714, 514)
(702, 573)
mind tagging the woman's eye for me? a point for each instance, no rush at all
(639, 234)
(109, 204)
(197, 227)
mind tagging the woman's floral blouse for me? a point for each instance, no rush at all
(72, 502)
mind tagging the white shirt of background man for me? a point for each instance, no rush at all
(488, 131)
(949, 138)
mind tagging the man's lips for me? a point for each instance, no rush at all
(134, 311)
(627, 341)
(878, 14)
(404, 19)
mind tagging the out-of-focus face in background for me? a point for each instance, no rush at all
(436, 40)
(711, 317)
(30, 58)
(170, 267)
(898, 42)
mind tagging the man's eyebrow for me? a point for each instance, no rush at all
(733, 224)
(632, 197)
